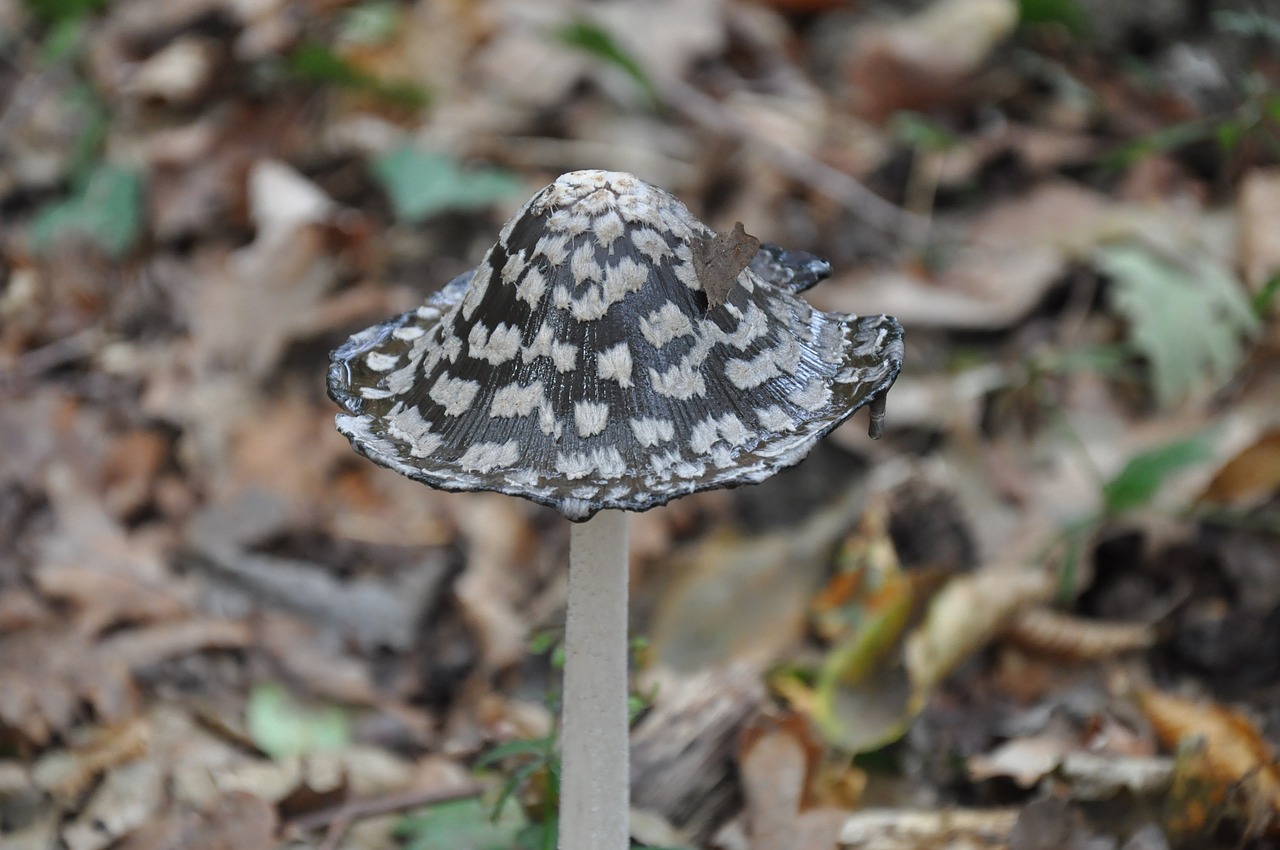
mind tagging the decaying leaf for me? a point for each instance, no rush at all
(1188, 320)
(46, 674)
(862, 697)
(67, 773)
(1234, 761)
(718, 260)
(926, 60)
(1250, 477)
(235, 819)
(965, 614)
(744, 598)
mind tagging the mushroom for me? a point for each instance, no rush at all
(610, 353)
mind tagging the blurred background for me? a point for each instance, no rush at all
(1047, 603)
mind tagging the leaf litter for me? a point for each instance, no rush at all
(1069, 640)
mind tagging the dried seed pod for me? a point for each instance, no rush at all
(584, 366)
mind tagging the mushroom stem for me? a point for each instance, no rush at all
(594, 729)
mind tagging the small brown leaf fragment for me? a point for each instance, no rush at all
(719, 260)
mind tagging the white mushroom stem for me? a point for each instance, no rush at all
(594, 730)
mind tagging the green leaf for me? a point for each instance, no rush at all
(106, 211)
(56, 11)
(539, 836)
(1164, 140)
(281, 727)
(536, 748)
(1265, 298)
(590, 38)
(1065, 13)
(1188, 320)
(918, 131)
(316, 63)
(1142, 476)
(461, 825)
(543, 640)
(422, 185)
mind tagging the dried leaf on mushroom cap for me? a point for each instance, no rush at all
(581, 364)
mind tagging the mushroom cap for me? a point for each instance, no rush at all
(581, 366)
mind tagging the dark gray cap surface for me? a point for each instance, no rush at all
(580, 366)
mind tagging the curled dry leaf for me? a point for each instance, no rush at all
(66, 774)
(1233, 758)
(128, 797)
(963, 617)
(1249, 478)
(1043, 629)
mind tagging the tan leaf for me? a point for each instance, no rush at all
(1250, 477)
(963, 617)
(1259, 223)
(1234, 755)
(719, 259)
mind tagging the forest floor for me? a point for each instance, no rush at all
(1042, 612)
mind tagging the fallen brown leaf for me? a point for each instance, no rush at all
(926, 60)
(66, 774)
(234, 821)
(45, 673)
(1234, 754)
(1250, 477)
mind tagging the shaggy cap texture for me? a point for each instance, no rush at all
(582, 365)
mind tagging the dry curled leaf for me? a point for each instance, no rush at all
(1053, 632)
(963, 617)
(718, 260)
(1250, 477)
(66, 774)
(1234, 758)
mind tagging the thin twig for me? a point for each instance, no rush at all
(340, 818)
(886, 217)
